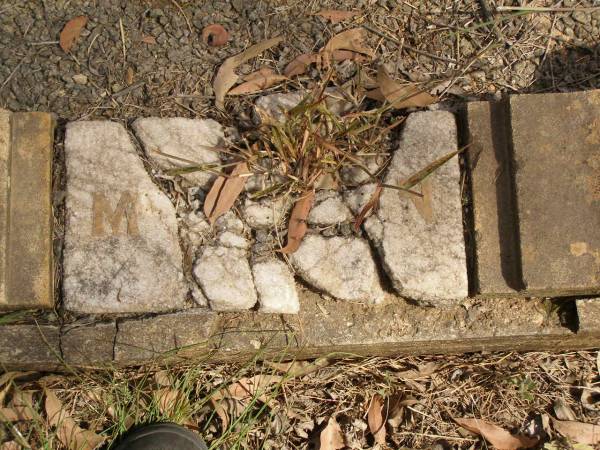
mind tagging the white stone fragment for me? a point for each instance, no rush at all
(266, 213)
(229, 222)
(276, 287)
(194, 228)
(225, 278)
(184, 140)
(421, 240)
(340, 267)
(234, 240)
(122, 252)
(357, 198)
(329, 210)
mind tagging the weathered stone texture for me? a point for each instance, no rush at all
(122, 251)
(556, 140)
(26, 266)
(4, 191)
(224, 275)
(340, 267)
(276, 287)
(495, 224)
(420, 240)
(163, 336)
(588, 314)
(89, 345)
(329, 209)
(35, 347)
(187, 141)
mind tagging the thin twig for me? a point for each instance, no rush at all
(407, 47)
(549, 9)
(123, 39)
(184, 16)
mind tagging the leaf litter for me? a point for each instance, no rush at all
(71, 32)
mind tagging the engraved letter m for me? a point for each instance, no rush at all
(103, 214)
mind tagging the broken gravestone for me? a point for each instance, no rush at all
(122, 252)
(180, 142)
(420, 239)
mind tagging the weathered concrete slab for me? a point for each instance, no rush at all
(180, 142)
(588, 313)
(26, 152)
(122, 252)
(556, 140)
(168, 335)
(495, 231)
(420, 240)
(89, 345)
(30, 347)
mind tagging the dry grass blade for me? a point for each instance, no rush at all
(402, 96)
(337, 15)
(495, 435)
(68, 432)
(582, 433)
(226, 76)
(71, 32)
(331, 437)
(418, 177)
(257, 81)
(369, 206)
(375, 419)
(224, 192)
(297, 226)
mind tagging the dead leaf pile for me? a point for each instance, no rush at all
(582, 433)
(331, 438)
(71, 31)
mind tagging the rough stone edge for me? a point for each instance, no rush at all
(239, 336)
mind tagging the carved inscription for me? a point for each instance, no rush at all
(122, 219)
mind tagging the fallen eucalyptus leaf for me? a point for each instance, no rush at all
(215, 35)
(71, 32)
(337, 15)
(582, 433)
(375, 419)
(257, 81)
(297, 225)
(226, 76)
(331, 437)
(401, 96)
(68, 432)
(495, 435)
(224, 192)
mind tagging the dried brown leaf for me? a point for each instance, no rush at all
(71, 32)
(16, 413)
(422, 371)
(402, 96)
(582, 433)
(226, 76)
(353, 39)
(10, 445)
(337, 15)
(300, 64)
(563, 411)
(370, 205)
(68, 432)
(297, 226)
(224, 192)
(215, 35)
(246, 388)
(375, 419)
(167, 399)
(294, 369)
(257, 81)
(331, 437)
(495, 435)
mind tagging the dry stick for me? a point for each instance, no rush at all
(123, 40)
(549, 9)
(407, 47)
(184, 16)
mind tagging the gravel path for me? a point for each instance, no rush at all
(113, 72)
